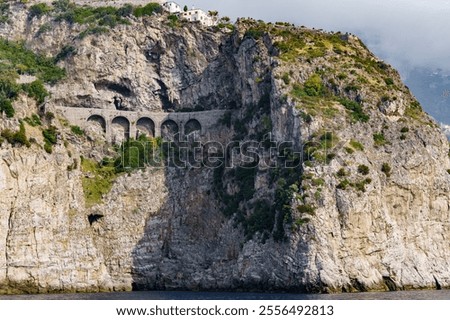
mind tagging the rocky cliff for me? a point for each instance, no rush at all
(356, 199)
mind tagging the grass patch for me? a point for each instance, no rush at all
(415, 111)
(34, 121)
(97, 180)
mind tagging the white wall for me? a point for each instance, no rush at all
(198, 15)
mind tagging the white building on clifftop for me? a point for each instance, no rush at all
(198, 15)
(171, 7)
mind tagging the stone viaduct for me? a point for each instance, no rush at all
(130, 124)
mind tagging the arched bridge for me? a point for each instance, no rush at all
(130, 124)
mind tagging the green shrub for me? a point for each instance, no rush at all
(93, 30)
(286, 78)
(18, 138)
(17, 59)
(314, 87)
(389, 81)
(50, 135)
(363, 169)
(343, 184)
(106, 16)
(8, 88)
(306, 117)
(318, 182)
(4, 12)
(306, 208)
(341, 173)
(349, 150)
(301, 221)
(49, 116)
(126, 10)
(379, 139)
(46, 27)
(360, 185)
(355, 108)
(404, 130)
(386, 169)
(77, 130)
(356, 145)
(36, 90)
(147, 10)
(7, 134)
(48, 147)
(62, 5)
(38, 10)
(7, 108)
(254, 33)
(65, 52)
(173, 20)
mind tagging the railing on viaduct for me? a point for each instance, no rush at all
(134, 123)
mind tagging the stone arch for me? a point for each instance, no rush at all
(191, 126)
(145, 126)
(98, 121)
(169, 130)
(120, 129)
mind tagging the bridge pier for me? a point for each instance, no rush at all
(181, 129)
(108, 135)
(133, 130)
(158, 130)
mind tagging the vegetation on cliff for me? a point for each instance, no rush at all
(95, 19)
(331, 79)
(17, 60)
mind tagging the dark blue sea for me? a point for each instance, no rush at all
(175, 295)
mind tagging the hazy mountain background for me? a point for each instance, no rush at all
(411, 35)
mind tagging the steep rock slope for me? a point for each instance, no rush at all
(362, 205)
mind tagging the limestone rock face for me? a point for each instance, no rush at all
(371, 213)
(46, 241)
